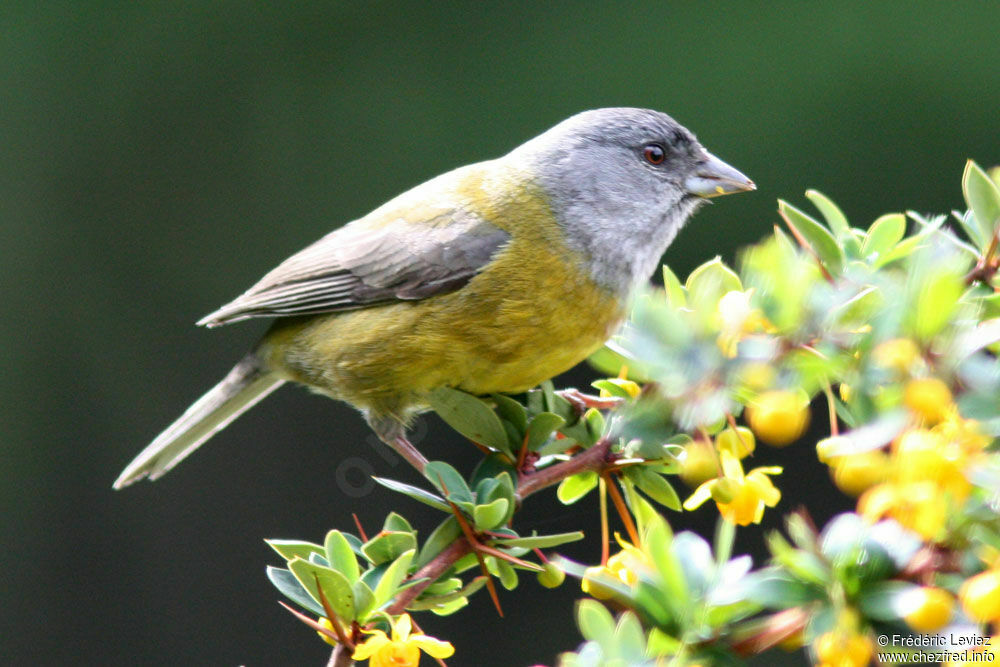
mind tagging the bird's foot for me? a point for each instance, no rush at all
(412, 455)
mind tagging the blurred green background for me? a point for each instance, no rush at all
(159, 157)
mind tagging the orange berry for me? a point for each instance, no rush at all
(779, 417)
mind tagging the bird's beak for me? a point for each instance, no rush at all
(713, 177)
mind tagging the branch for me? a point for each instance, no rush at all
(597, 459)
(341, 657)
(432, 571)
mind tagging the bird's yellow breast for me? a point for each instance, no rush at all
(531, 313)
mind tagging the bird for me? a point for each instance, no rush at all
(490, 278)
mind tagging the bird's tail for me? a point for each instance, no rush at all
(240, 390)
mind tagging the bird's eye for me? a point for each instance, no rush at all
(654, 153)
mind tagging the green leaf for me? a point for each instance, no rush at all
(434, 601)
(676, 295)
(630, 638)
(654, 486)
(886, 600)
(595, 621)
(576, 486)
(372, 575)
(446, 532)
(448, 481)
(610, 362)
(936, 300)
(541, 541)
(397, 523)
(506, 572)
(364, 600)
(818, 236)
(658, 545)
(883, 235)
(491, 466)
(504, 489)
(983, 197)
(541, 427)
(385, 547)
(393, 577)
(418, 494)
(776, 590)
(290, 587)
(289, 549)
(612, 388)
(483, 490)
(471, 417)
(594, 420)
(336, 587)
(834, 217)
(803, 564)
(706, 285)
(512, 411)
(488, 517)
(340, 555)
(970, 226)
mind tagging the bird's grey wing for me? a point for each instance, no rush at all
(363, 265)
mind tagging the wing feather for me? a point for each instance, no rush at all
(363, 265)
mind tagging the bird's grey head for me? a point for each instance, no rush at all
(622, 182)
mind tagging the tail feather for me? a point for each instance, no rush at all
(241, 389)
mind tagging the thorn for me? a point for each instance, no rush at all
(470, 537)
(805, 246)
(361, 531)
(496, 553)
(313, 624)
(605, 531)
(521, 455)
(616, 498)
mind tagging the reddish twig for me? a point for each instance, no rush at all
(616, 498)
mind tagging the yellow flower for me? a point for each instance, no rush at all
(917, 506)
(930, 398)
(625, 567)
(739, 442)
(922, 455)
(740, 498)
(403, 650)
(966, 433)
